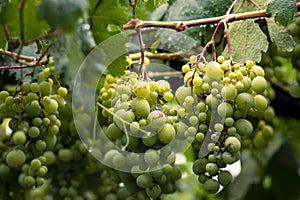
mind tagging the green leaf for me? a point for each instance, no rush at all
(247, 41)
(279, 34)
(106, 17)
(153, 4)
(282, 10)
(189, 10)
(62, 14)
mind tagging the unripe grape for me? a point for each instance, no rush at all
(181, 93)
(185, 68)
(144, 180)
(65, 155)
(243, 127)
(212, 70)
(34, 132)
(140, 107)
(19, 138)
(199, 166)
(62, 91)
(259, 84)
(261, 102)
(153, 191)
(232, 144)
(228, 158)
(151, 157)
(45, 88)
(228, 92)
(267, 131)
(167, 133)
(225, 109)
(156, 119)
(244, 101)
(29, 181)
(50, 156)
(35, 164)
(211, 186)
(168, 96)
(15, 158)
(211, 168)
(224, 178)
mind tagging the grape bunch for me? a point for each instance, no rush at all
(231, 101)
(33, 117)
(149, 127)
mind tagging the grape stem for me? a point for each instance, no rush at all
(142, 71)
(161, 56)
(183, 25)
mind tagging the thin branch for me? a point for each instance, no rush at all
(12, 55)
(15, 67)
(161, 56)
(183, 25)
(49, 35)
(142, 72)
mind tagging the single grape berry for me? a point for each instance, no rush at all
(15, 158)
(211, 186)
(224, 178)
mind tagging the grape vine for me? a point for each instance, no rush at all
(168, 118)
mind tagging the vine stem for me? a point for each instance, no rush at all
(161, 56)
(142, 71)
(183, 25)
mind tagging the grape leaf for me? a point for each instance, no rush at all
(247, 41)
(153, 4)
(282, 10)
(62, 14)
(189, 10)
(280, 36)
(33, 27)
(106, 16)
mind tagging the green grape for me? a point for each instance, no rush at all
(29, 181)
(168, 96)
(156, 119)
(193, 120)
(259, 84)
(37, 121)
(35, 87)
(65, 155)
(224, 178)
(181, 93)
(153, 191)
(267, 131)
(51, 107)
(258, 70)
(202, 178)
(50, 157)
(212, 70)
(39, 181)
(35, 164)
(244, 101)
(202, 116)
(199, 166)
(211, 168)
(228, 92)
(144, 180)
(185, 68)
(34, 132)
(50, 141)
(261, 102)
(295, 91)
(167, 133)
(211, 186)
(151, 157)
(62, 91)
(4, 170)
(45, 88)
(229, 121)
(140, 107)
(197, 81)
(228, 158)
(225, 109)
(243, 127)
(19, 138)
(40, 145)
(15, 158)
(9, 100)
(118, 160)
(113, 132)
(259, 140)
(3, 95)
(142, 89)
(42, 171)
(53, 129)
(232, 144)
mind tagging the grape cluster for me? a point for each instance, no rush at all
(294, 30)
(34, 121)
(231, 101)
(144, 121)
